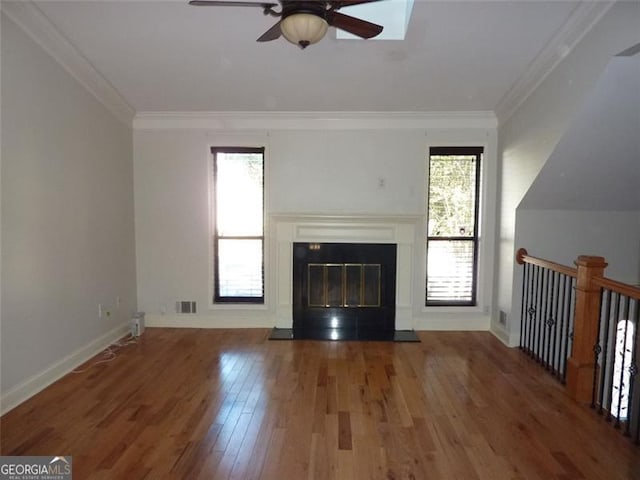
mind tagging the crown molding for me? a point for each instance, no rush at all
(581, 20)
(31, 19)
(227, 121)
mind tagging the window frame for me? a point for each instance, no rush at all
(478, 152)
(218, 299)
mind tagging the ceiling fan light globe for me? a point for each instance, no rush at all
(303, 29)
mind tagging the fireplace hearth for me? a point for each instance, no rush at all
(344, 291)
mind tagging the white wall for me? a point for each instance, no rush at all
(340, 172)
(530, 135)
(562, 235)
(67, 219)
(313, 167)
(596, 164)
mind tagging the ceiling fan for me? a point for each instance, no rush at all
(305, 22)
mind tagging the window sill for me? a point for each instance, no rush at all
(456, 309)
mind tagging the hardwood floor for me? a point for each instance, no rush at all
(218, 404)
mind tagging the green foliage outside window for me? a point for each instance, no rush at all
(451, 200)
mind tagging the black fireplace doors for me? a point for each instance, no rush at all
(344, 290)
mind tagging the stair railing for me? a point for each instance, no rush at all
(583, 328)
(547, 312)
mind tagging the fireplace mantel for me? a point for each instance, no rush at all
(397, 229)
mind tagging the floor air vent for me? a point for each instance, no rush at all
(186, 307)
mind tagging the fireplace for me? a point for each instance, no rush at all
(344, 290)
(288, 230)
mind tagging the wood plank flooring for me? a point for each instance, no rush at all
(229, 404)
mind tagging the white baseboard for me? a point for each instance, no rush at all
(509, 339)
(228, 320)
(500, 334)
(41, 380)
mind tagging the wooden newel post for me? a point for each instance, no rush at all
(581, 364)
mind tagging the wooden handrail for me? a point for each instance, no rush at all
(523, 257)
(631, 291)
(618, 287)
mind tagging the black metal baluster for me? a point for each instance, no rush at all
(564, 330)
(539, 289)
(526, 307)
(545, 324)
(633, 413)
(556, 368)
(531, 310)
(567, 331)
(545, 317)
(560, 310)
(551, 322)
(523, 307)
(596, 352)
(572, 314)
(605, 351)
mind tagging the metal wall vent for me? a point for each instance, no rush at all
(186, 306)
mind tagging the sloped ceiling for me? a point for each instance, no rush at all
(596, 164)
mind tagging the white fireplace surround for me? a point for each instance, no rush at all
(400, 230)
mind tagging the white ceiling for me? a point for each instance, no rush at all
(163, 56)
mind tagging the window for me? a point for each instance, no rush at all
(623, 358)
(452, 225)
(238, 224)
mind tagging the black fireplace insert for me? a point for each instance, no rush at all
(344, 290)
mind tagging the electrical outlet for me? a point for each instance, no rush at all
(502, 318)
(103, 311)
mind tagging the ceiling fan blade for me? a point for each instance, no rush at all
(356, 26)
(271, 34)
(335, 5)
(224, 3)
